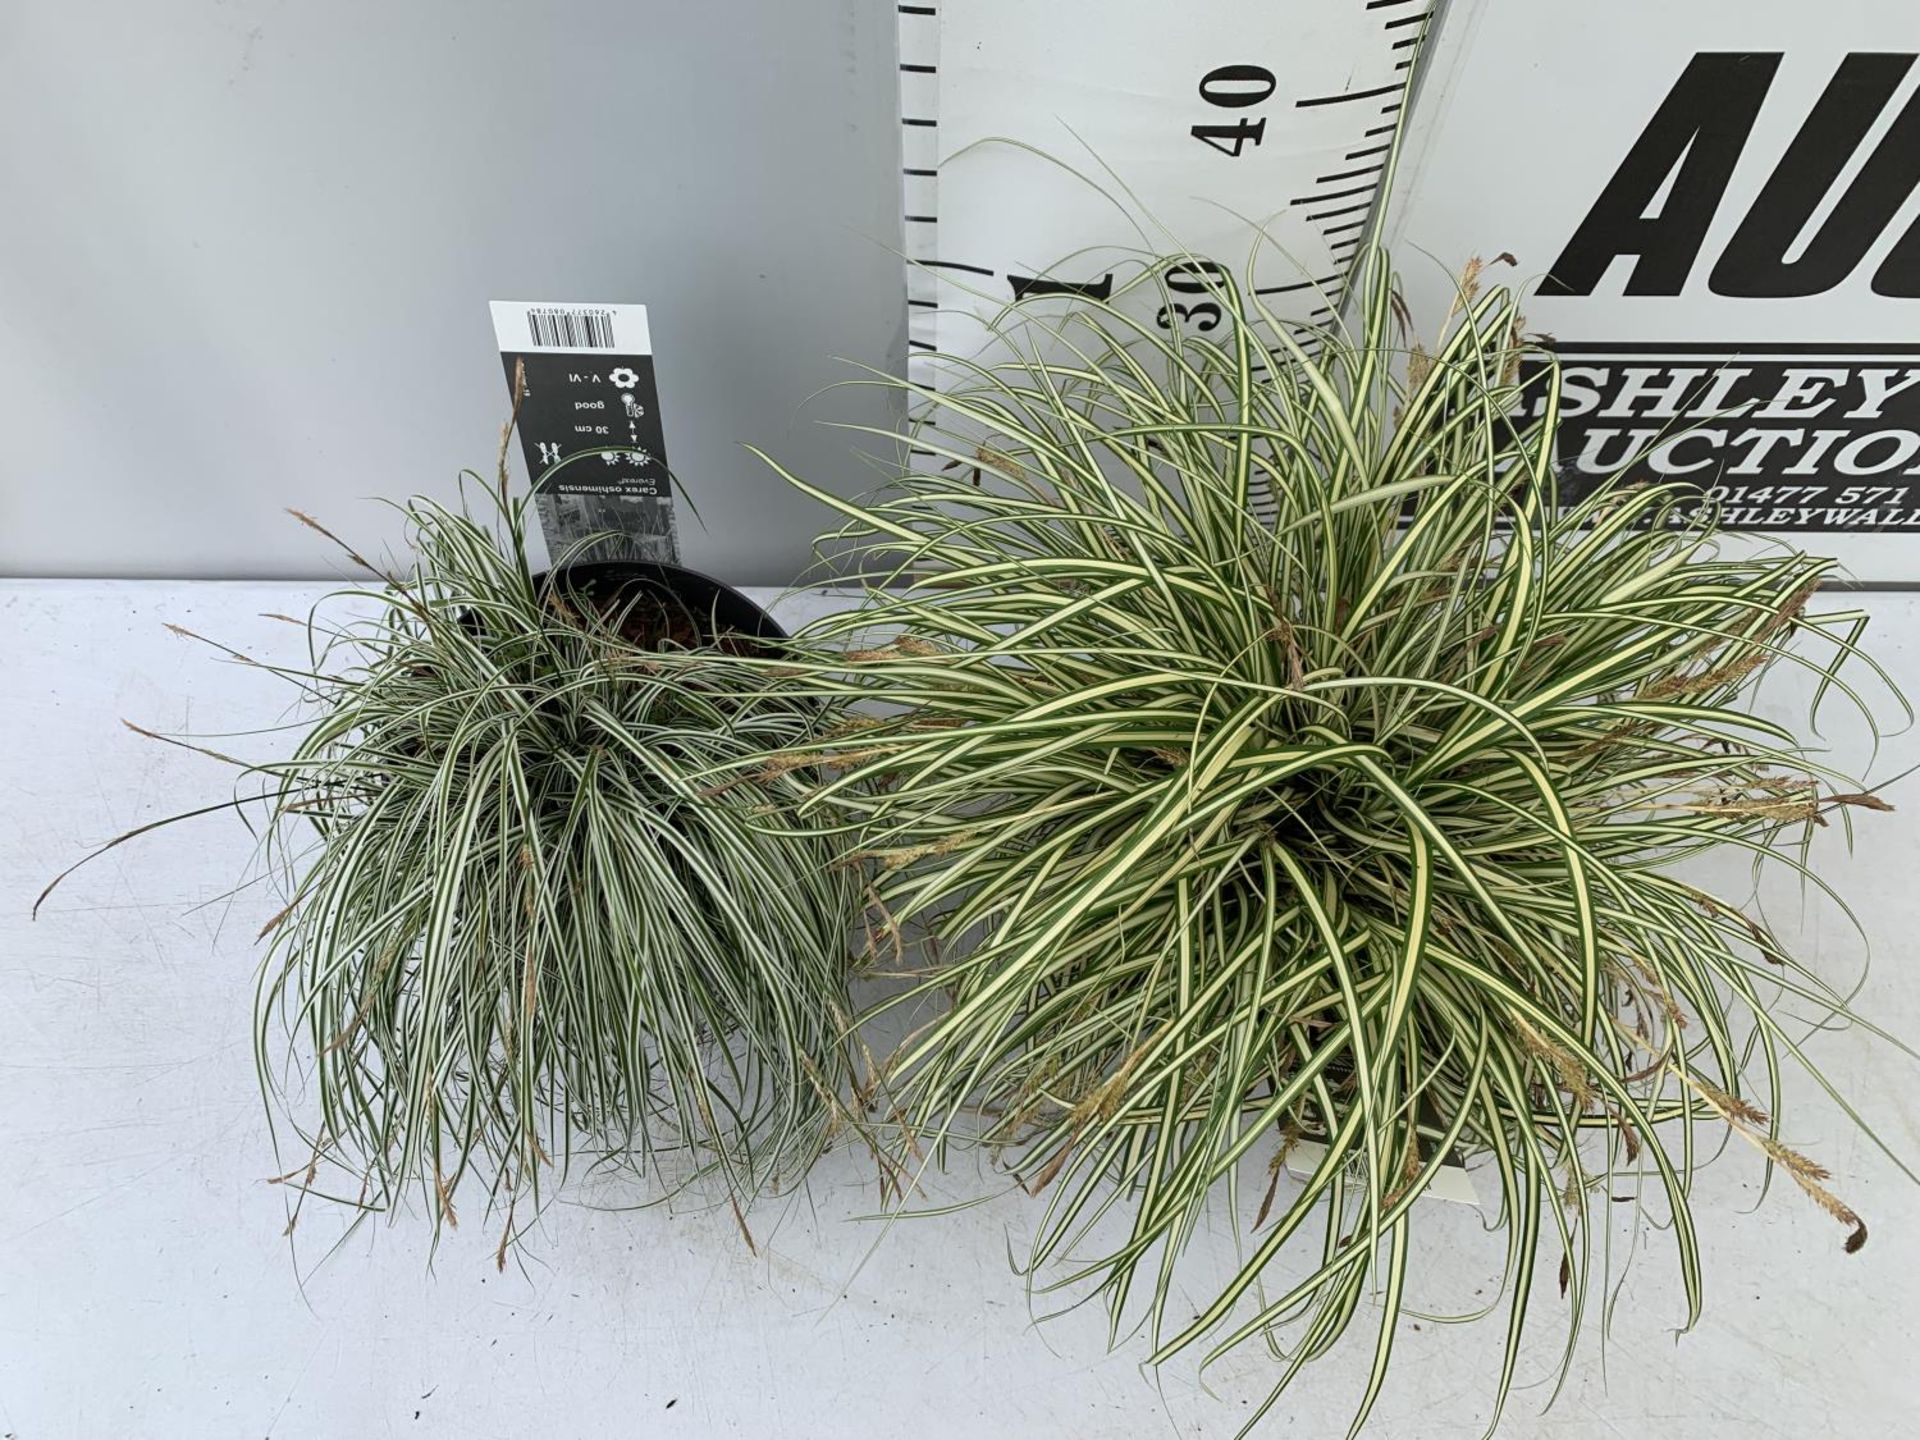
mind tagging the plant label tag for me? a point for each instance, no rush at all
(589, 422)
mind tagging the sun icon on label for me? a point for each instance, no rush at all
(624, 378)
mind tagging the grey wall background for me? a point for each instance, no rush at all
(246, 248)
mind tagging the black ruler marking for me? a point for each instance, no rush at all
(921, 69)
(1406, 20)
(1297, 285)
(1025, 286)
(1350, 95)
(910, 120)
(1335, 195)
(956, 265)
(1349, 174)
(1370, 150)
(1343, 210)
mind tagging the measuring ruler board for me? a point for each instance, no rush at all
(1201, 122)
(589, 422)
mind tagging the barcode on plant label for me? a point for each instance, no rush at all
(556, 329)
(570, 327)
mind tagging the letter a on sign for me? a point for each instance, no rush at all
(1693, 141)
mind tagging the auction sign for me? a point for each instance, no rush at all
(1717, 207)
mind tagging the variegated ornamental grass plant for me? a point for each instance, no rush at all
(542, 906)
(1269, 750)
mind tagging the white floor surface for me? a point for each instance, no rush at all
(146, 1289)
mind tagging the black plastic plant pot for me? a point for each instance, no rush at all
(657, 604)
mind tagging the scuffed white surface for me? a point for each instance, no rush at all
(146, 1291)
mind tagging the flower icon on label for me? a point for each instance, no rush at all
(624, 378)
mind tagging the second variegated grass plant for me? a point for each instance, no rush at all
(542, 905)
(1271, 751)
